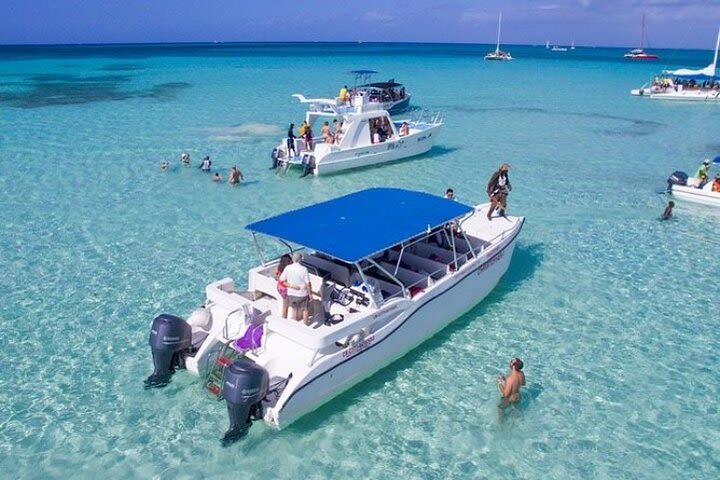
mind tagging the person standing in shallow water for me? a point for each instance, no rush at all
(668, 210)
(510, 386)
(498, 189)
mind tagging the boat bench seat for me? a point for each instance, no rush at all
(434, 268)
(339, 273)
(407, 277)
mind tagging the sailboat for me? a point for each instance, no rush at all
(572, 45)
(498, 54)
(639, 53)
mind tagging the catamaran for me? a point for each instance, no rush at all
(367, 136)
(640, 53)
(498, 54)
(388, 268)
(685, 84)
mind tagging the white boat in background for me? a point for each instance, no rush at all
(685, 84)
(388, 269)
(640, 53)
(498, 54)
(368, 137)
(572, 45)
(390, 95)
(683, 187)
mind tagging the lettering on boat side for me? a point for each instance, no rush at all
(490, 262)
(393, 146)
(358, 347)
(424, 137)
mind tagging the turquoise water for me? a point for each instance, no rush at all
(613, 311)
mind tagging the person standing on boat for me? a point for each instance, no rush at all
(326, 133)
(291, 141)
(299, 290)
(498, 189)
(702, 173)
(343, 94)
(282, 286)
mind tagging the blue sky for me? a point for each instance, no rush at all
(670, 23)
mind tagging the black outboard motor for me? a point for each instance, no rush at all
(275, 155)
(170, 340)
(308, 162)
(245, 385)
(677, 178)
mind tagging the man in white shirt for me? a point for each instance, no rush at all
(297, 279)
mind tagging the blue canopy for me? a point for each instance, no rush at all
(363, 223)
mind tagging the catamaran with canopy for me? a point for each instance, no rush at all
(700, 85)
(388, 268)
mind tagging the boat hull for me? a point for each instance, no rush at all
(696, 195)
(688, 96)
(413, 326)
(397, 106)
(391, 150)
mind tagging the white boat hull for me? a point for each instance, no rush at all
(689, 96)
(469, 286)
(388, 151)
(697, 195)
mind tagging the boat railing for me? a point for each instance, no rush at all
(427, 117)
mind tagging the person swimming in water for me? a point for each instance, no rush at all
(164, 165)
(510, 386)
(668, 210)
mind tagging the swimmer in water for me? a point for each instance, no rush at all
(668, 210)
(510, 387)
(164, 165)
(217, 177)
(185, 158)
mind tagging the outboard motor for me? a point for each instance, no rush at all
(170, 340)
(308, 162)
(245, 385)
(275, 155)
(677, 178)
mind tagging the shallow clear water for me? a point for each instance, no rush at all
(613, 311)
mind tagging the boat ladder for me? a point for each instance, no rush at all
(216, 376)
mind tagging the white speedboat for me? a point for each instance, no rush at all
(685, 84)
(689, 188)
(498, 54)
(368, 137)
(388, 269)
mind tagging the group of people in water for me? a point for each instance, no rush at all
(235, 176)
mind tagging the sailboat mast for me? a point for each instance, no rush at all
(642, 32)
(497, 46)
(717, 45)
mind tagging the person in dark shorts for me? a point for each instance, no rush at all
(291, 141)
(297, 279)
